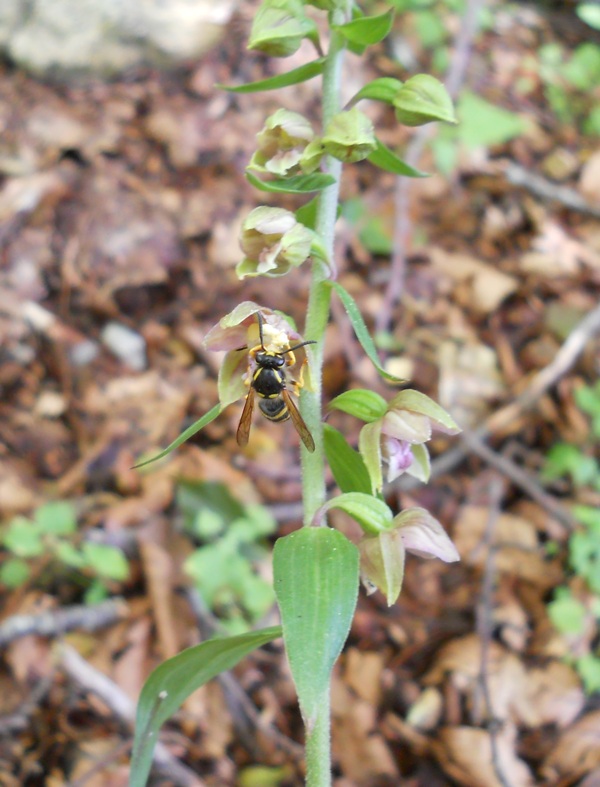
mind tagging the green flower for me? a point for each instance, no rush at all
(349, 136)
(281, 144)
(280, 26)
(274, 242)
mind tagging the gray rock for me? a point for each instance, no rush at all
(108, 36)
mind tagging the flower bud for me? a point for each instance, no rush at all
(274, 242)
(281, 144)
(349, 136)
(421, 99)
(279, 28)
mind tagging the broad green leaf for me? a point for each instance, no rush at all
(382, 89)
(361, 331)
(175, 679)
(384, 158)
(107, 561)
(56, 518)
(23, 538)
(14, 572)
(294, 77)
(189, 432)
(371, 513)
(316, 583)
(590, 14)
(483, 124)
(361, 403)
(346, 464)
(299, 184)
(367, 30)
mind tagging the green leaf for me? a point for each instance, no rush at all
(567, 614)
(56, 518)
(23, 538)
(367, 30)
(588, 667)
(590, 14)
(346, 464)
(189, 432)
(382, 89)
(107, 561)
(299, 184)
(294, 77)
(361, 403)
(386, 159)
(316, 583)
(175, 679)
(14, 572)
(483, 124)
(371, 513)
(361, 331)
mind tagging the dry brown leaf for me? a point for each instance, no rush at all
(465, 754)
(553, 695)
(469, 380)
(515, 539)
(460, 662)
(576, 752)
(158, 570)
(589, 180)
(426, 712)
(358, 745)
(488, 286)
(362, 673)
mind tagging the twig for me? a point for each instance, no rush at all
(564, 359)
(59, 621)
(90, 679)
(454, 81)
(540, 187)
(244, 713)
(484, 624)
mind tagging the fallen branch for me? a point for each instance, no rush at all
(90, 679)
(58, 621)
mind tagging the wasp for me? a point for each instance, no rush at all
(268, 382)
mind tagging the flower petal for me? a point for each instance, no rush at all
(423, 535)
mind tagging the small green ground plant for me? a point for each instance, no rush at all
(316, 569)
(569, 613)
(52, 534)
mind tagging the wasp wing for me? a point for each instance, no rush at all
(298, 421)
(243, 430)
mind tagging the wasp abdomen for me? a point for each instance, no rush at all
(274, 409)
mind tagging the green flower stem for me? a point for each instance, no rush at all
(318, 739)
(318, 748)
(317, 317)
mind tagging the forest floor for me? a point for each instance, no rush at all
(120, 209)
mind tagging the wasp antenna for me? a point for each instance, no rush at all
(297, 347)
(260, 330)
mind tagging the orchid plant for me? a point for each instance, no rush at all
(316, 569)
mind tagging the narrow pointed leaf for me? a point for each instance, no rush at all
(175, 679)
(299, 184)
(316, 583)
(384, 158)
(294, 77)
(346, 464)
(361, 331)
(367, 30)
(189, 432)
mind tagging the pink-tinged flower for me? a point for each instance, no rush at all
(274, 243)
(397, 438)
(237, 333)
(382, 555)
